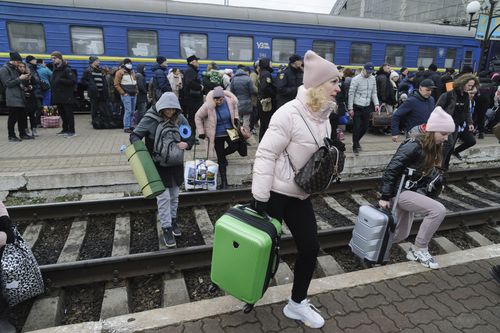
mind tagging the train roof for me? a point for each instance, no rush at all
(255, 14)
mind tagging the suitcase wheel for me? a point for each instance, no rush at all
(247, 308)
(213, 288)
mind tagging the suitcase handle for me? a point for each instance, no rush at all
(249, 207)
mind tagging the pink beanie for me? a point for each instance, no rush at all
(3, 238)
(318, 70)
(440, 121)
(3, 210)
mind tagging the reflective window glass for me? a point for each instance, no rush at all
(426, 56)
(451, 54)
(194, 44)
(361, 53)
(283, 49)
(142, 43)
(26, 37)
(87, 40)
(394, 55)
(240, 48)
(324, 49)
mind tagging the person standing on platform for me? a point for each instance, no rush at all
(423, 154)
(291, 139)
(289, 81)
(192, 90)
(362, 92)
(167, 109)
(457, 104)
(175, 79)
(142, 92)
(62, 84)
(242, 86)
(38, 89)
(384, 87)
(29, 87)
(218, 114)
(13, 96)
(44, 73)
(161, 83)
(94, 81)
(254, 119)
(266, 95)
(126, 85)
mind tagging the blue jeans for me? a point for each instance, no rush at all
(129, 106)
(46, 98)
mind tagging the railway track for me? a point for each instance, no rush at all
(472, 198)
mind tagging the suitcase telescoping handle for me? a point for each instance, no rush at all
(249, 207)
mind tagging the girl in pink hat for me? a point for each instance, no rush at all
(295, 131)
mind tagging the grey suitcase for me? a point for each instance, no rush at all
(373, 233)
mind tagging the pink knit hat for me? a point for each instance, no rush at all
(3, 210)
(440, 121)
(3, 238)
(318, 70)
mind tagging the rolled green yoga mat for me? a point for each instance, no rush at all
(144, 170)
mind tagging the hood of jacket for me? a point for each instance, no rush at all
(240, 72)
(140, 68)
(168, 101)
(155, 67)
(265, 64)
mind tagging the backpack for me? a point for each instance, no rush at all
(165, 150)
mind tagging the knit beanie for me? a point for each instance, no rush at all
(3, 210)
(160, 59)
(127, 61)
(440, 121)
(57, 54)
(168, 101)
(318, 70)
(218, 92)
(29, 58)
(92, 59)
(15, 56)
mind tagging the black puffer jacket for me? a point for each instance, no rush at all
(456, 104)
(408, 155)
(62, 83)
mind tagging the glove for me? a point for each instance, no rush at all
(202, 136)
(259, 206)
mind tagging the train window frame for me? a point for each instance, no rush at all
(88, 27)
(287, 39)
(446, 58)
(401, 47)
(420, 63)
(193, 33)
(129, 49)
(351, 55)
(251, 43)
(43, 50)
(325, 41)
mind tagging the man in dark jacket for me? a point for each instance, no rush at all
(14, 96)
(32, 63)
(384, 86)
(63, 82)
(94, 81)
(242, 86)
(160, 80)
(415, 110)
(289, 81)
(266, 95)
(431, 73)
(192, 90)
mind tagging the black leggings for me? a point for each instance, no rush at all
(222, 151)
(299, 217)
(468, 140)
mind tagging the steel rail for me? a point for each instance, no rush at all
(188, 199)
(169, 261)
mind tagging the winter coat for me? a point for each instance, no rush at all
(206, 118)
(35, 81)
(288, 131)
(192, 90)
(14, 95)
(44, 73)
(384, 88)
(161, 82)
(90, 84)
(119, 80)
(62, 83)
(287, 83)
(448, 101)
(147, 129)
(175, 82)
(242, 86)
(414, 111)
(362, 91)
(142, 87)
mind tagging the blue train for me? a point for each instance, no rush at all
(141, 30)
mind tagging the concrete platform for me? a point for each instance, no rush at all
(92, 162)
(461, 296)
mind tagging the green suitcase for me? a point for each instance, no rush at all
(144, 170)
(245, 253)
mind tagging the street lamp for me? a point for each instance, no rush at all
(472, 8)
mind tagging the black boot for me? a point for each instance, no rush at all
(223, 177)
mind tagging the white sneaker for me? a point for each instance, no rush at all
(424, 257)
(305, 312)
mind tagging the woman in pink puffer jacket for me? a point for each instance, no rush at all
(291, 139)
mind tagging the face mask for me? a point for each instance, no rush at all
(128, 66)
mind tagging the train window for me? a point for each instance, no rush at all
(451, 54)
(240, 48)
(394, 55)
(194, 44)
(26, 37)
(468, 58)
(426, 56)
(87, 40)
(142, 43)
(361, 53)
(324, 49)
(283, 49)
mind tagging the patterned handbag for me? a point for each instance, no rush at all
(324, 166)
(20, 275)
